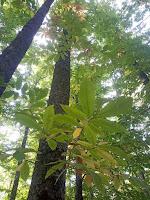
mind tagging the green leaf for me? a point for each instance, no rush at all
(27, 120)
(121, 105)
(108, 126)
(107, 156)
(118, 151)
(16, 95)
(19, 83)
(27, 150)
(24, 170)
(102, 154)
(56, 131)
(61, 138)
(8, 94)
(2, 2)
(53, 169)
(48, 118)
(65, 119)
(90, 134)
(39, 104)
(84, 144)
(99, 181)
(96, 128)
(24, 88)
(52, 144)
(117, 182)
(19, 155)
(74, 112)
(138, 183)
(41, 93)
(32, 95)
(87, 97)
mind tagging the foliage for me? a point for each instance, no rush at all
(106, 125)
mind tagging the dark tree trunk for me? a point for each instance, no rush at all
(13, 54)
(17, 175)
(78, 194)
(52, 188)
(79, 179)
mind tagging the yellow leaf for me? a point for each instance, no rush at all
(89, 180)
(77, 133)
(19, 167)
(76, 38)
(90, 163)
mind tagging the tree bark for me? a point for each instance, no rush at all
(79, 179)
(52, 188)
(17, 175)
(13, 54)
(78, 194)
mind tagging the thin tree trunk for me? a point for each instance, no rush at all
(78, 194)
(79, 180)
(17, 175)
(13, 54)
(52, 188)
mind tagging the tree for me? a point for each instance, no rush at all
(44, 185)
(17, 175)
(13, 54)
(79, 190)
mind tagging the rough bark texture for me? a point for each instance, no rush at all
(53, 188)
(13, 54)
(78, 194)
(17, 175)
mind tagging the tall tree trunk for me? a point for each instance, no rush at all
(13, 54)
(52, 188)
(79, 180)
(17, 175)
(78, 194)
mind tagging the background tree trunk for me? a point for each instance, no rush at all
(17, 175)
(79, 180)
(13, 54)
(78, 194)
(52, 188)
